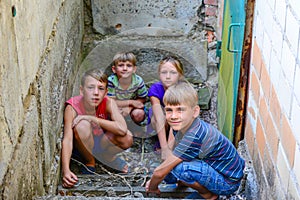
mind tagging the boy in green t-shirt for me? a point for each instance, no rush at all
(127, 88)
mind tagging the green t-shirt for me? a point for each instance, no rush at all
(137, 88)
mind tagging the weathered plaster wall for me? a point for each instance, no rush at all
(149, 50)
(40, 47)
(153, 29)
(123, 15)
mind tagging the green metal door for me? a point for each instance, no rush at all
(230, 60)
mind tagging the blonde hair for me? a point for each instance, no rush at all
(181, 93)
(175, 62)
(96, 73)
(123, 57)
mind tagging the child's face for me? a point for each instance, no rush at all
(168, 74)
(181, 117)
(93, 91)
(124, 69)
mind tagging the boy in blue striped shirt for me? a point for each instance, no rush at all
(202, 158)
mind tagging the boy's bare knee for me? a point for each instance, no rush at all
(84, 129)
(138, 115)
(83, 125)
(127, 142)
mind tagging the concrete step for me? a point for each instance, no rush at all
(96, 186)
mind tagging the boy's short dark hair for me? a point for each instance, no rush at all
(181, 93)
(96, 73)
(123, 57)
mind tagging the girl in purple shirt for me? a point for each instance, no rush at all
(170, 71)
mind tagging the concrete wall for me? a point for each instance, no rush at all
(154, 29)
(123, 15)
(39, 61)
(143, 26)
(272, 128)
(40, 46)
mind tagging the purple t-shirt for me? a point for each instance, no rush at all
(157, 90)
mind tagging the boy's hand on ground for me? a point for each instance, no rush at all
(69, 180)
(148, 190)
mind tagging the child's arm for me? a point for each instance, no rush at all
(138, 103)
(161, 172)
(69, 178)
(171, 140)
(159, 121)
(142, 94)
(118, 120)
(116, 125)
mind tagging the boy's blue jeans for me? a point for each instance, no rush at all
(199, 171)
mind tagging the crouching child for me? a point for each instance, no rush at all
(94, 128)
(202, 157)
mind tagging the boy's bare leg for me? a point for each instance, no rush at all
(113, 145)
(136, 114)
(84, 141)
(205, 193)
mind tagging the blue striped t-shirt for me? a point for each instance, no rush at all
(205, 142)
